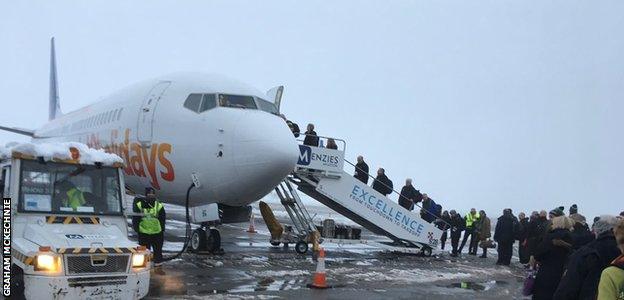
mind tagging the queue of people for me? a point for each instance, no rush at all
(572, 260)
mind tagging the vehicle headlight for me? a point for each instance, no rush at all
(138, 260)
(47, 262)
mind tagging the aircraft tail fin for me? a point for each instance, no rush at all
(54, 105)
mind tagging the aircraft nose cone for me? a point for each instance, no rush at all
(266, 152)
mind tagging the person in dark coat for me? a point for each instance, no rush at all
(523, 229)
(311, 139)
(408, 195)
(382, 183)
(504, 235)
(537, 231)
(580, 231)
(582, 275)
(331, 144)
(457, 226)
(361, 170)
(428, 209)
(444, 224)
(294, 128)
(551, 255)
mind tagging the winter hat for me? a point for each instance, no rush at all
(557, 212)
(604, 224)
(150, 189)
(562, 209)
(573, 209)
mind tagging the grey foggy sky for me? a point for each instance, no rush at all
(486, 104)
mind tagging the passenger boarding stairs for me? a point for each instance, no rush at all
(296, 210)
(319, 174)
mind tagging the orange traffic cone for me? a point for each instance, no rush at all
(319, 280)
(252, 225)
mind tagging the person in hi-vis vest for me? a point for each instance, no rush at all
(151, 225)
(68, 196)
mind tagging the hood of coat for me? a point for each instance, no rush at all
(619, 262)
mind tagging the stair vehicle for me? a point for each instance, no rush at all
(319, 174)
(69, 231)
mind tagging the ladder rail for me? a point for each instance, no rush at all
(301, 221)
(295, 209)
(286, 202)
(304, 212)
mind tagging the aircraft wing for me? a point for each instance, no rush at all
(22, 131)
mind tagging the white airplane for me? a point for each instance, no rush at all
(173, 126)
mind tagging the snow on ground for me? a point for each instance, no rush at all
(172, 246)
(280, 273)
(399, 276)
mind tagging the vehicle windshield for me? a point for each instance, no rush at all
(69, 188)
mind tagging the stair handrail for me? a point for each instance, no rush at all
(344, 143)
(398, 193)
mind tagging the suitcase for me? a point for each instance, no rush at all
(356, 233)
(329, 229)
(341, 231)
(348, 232)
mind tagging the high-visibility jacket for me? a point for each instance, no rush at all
(470, 219)
(74, 199)
(149, 223)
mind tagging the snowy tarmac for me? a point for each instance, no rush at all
(253, 269)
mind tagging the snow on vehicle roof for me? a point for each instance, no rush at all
(61, 151)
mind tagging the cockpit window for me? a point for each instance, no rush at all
(193, 101)
(237, 101)
(267, 106)
(209, 102)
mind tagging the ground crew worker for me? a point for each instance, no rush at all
(471, 218)
(150, 226)
(73, 196)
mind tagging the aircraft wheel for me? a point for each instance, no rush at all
(301, 247)
(214, 240)
(198, 240)
(426, 251)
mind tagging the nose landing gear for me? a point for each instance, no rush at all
(206, 239)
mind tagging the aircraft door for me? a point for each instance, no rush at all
(145, 127)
